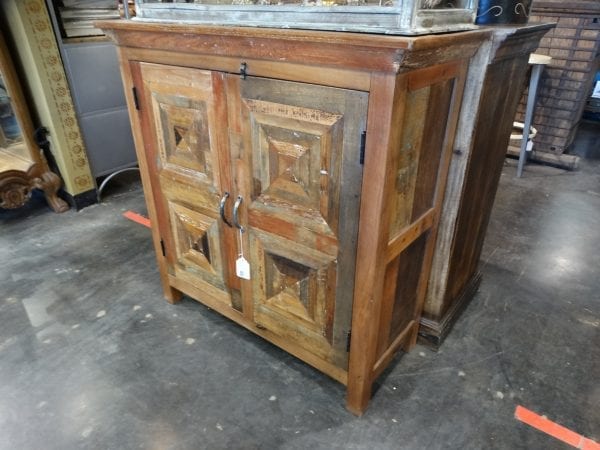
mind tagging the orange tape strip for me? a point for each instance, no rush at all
(588, 444)
(137, 218)
(555, 430)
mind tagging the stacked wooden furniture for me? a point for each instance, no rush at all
(495, 82)
(322, 157)
(574, 46)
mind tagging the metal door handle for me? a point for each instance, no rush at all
(236, 207)
(222, 209)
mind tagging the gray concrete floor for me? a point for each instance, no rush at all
(91, 357)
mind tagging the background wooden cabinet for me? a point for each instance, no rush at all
(330, 151)
(496, 79)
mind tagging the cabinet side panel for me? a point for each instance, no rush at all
(407, 276)
(432, 147)
(483, 174)
(417, 164)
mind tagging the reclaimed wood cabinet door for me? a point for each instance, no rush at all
(182, 118)
(300, 178)
(281, 162)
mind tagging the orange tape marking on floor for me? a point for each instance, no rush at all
(137, 218)
(555, 430)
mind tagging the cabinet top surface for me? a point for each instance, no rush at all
(321, 37)
(342, 50)
(336, 49)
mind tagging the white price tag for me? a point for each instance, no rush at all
(529, 146)
(242, 268)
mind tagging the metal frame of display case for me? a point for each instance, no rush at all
(402, 17)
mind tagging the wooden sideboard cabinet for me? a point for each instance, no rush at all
(319, 157)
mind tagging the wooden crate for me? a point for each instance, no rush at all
(573, 45)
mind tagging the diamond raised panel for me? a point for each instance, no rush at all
(185, 136)
(292, 291)
(184, 118)
(197, 243)
(292, 160)
(290, 285)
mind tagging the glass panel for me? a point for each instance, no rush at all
(424, 4)
(14, 153)
(10, 132)
(281, 2)
(446, 4)
(369, 16)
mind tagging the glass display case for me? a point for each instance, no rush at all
(408, 17)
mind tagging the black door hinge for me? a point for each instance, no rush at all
(162, 247)
(363, 144)
(348, 339)
(243, 70)
(135, 98)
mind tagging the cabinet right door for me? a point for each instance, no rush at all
(300, 173)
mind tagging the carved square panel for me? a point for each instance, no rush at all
(294, 165)
(184, 135)
(196, 239)
(294, 286)
(291, 286)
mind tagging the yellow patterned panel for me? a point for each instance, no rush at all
(70, 149)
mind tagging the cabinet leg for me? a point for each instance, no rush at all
(413, 335)
(49, 183)
(358, 396)
(171, 294)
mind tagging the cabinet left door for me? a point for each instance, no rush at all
(182, 120)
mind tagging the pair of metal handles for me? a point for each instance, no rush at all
(236, 207)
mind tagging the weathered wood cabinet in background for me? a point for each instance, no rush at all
(320, 156)
(496, 80)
